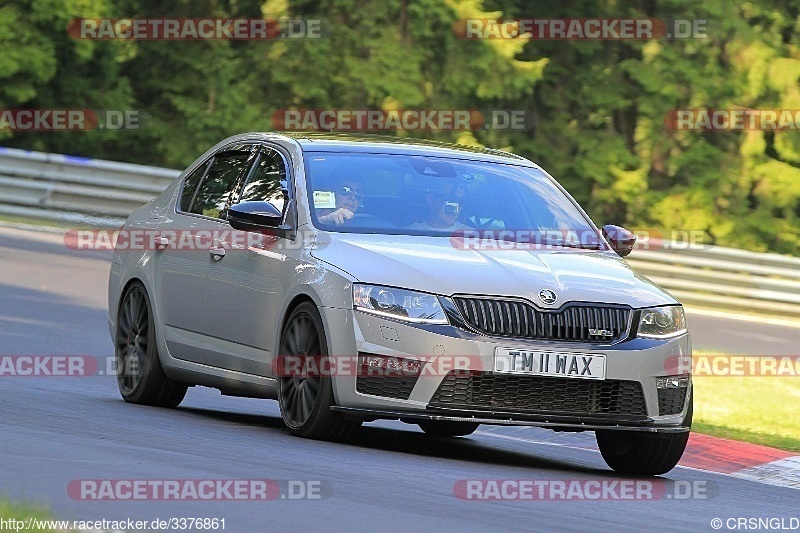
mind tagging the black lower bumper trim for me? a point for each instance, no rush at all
(513, 419)
(596, 419)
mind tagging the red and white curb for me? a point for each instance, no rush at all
(743, 460)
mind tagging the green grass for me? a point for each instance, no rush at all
(762, 410)
(790, 444)
(23, 511)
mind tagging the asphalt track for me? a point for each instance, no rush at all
(56, 430)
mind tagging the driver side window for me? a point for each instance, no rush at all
(217, 186)
(266, 181)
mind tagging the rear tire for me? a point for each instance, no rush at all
(446, 428)
(305, 400)
(140, 377)
(631, 452)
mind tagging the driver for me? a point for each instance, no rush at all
(348, 195)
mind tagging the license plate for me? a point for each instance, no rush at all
(556, 364)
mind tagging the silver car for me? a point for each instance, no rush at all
(357, 278)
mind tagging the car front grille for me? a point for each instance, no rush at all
(487, 391)
(519, 319)
(670, 401)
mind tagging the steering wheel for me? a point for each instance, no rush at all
(366, 219)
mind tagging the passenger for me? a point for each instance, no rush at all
(445, 204)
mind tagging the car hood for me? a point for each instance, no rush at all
(432, 264)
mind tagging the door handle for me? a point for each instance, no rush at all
(217, 253)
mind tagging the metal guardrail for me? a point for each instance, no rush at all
(74, 189)
(102, 193)
(725, 278)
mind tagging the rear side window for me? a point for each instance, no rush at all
(267, 180)
(190, 186)
(217, 187)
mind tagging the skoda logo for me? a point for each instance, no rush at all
(547, 296)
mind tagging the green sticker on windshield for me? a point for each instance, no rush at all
(324, 200)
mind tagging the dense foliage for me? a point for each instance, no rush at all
(599, 106)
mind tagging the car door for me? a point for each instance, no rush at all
(244, 288)
(185, 250)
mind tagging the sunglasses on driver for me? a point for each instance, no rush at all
(344, 190)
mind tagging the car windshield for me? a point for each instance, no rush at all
(424, 195)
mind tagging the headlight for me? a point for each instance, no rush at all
(662, 322)
(398, 303)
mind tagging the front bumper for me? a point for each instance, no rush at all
(634, 363)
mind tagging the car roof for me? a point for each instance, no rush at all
(383, 144)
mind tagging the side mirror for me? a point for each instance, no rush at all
(254, 216)
(620, 239)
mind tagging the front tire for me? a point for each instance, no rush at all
(631, 452)
(140, 377)
(305, 398)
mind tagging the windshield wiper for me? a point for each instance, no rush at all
(581, 245)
